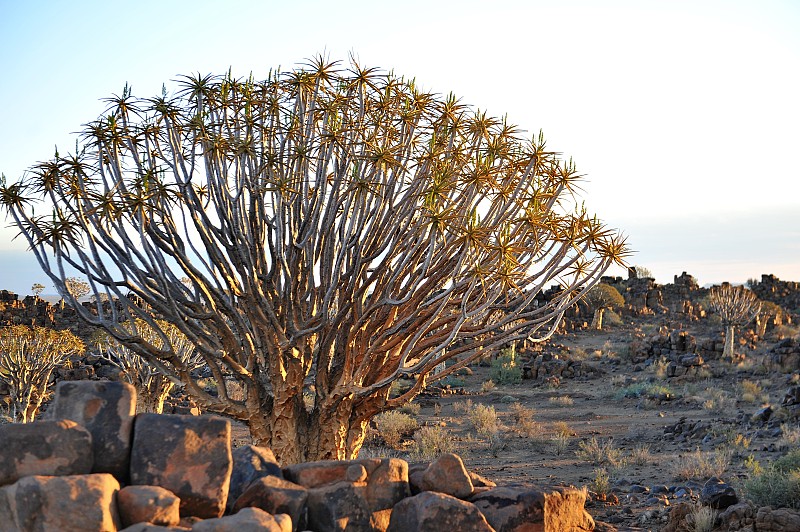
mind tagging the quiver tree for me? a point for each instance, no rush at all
(337, 227)
(600, 298)
(28, 356)
(735, 305)
(153, 385)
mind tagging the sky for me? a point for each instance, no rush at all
(683, 115)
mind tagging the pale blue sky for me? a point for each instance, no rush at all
(683, 114)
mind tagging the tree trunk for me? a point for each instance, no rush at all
(728, 349)
(597, 319)
(331, 432)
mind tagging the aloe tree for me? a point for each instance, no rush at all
(600, 298)
(735, 305)
(153, 386)
(322, 232)
(28, 356)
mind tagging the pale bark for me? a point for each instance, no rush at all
(727, 351)
(597, 318)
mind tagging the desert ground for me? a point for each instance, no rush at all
(614, 432)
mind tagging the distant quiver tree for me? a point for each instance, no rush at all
(735, 305)
(337, 228)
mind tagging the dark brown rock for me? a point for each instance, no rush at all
(246, 520)
(436, 512)
(188, 455)
(250, 463)
(106, 409)
(148, 504)
(447, 474)
(275, 496)
(69, 503)
(518, 508)
(340, 506)
(44, 448)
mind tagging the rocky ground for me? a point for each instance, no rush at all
(640, 440)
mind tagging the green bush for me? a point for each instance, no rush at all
(505, 369)
(789, 462)
(779, 489)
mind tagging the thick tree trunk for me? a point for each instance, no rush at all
(728, 349)
(597, 319)
(330, 432)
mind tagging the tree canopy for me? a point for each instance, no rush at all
(325, 231)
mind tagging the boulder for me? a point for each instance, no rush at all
(319, 473)
(518, 508)
(150, 527)
(436, 512)
(387, 485)
(276, 496)
(250, 463)
(188, 455)
(106, 409)
(447, 474)
(49, 448)
(246, 520)
(148, 504)
(339, 506)
(777, 520)
(66, 503)
(718, 494)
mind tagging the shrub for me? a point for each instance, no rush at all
(560, 443)
(463, 406)
(700, 465)
(702, 518)
(393, 425)
(562, 400)
(751, 392)
(524, 423)
(779, 489)
(484, 419)
(504, 369)
(431, 442)
(645, 390)
(488, 386)
(601, 483)
(789, 462)
(640, 455)
(412, 409)
(599, 453)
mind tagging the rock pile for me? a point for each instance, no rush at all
(94, 465)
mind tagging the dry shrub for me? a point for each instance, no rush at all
(524, 424)
(431, 442)
(412, 409)
(484, 419)
(702, 519)
(700, 465)
(562, 400)
(488, 386)
(640, 455)
(393, 425)
(463, 406)
(599, 453)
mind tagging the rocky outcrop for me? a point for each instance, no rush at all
(180, 470)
